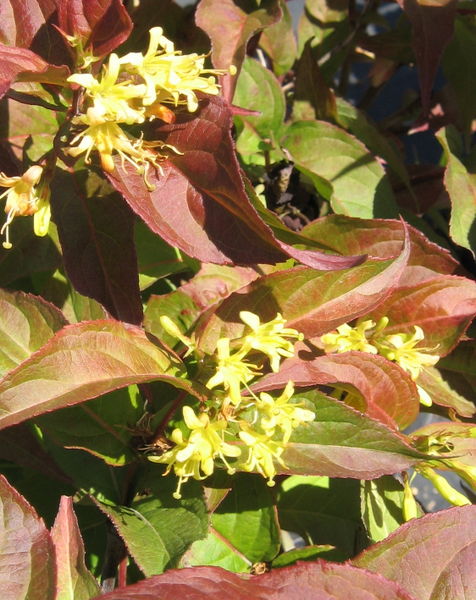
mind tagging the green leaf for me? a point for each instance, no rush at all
(26, 323)
(461, 186)
(279, 42)
(313, 302)
(247, 518)
(306, 553)
(357, 122)
(258, 90)
(103, 426)
(434, 382)
(382, 501)
(74, 581)
(217, 551)
(322, 511)
(360, 187)
(176, 305)
(156, 528)
(343, 442)
(83, 361)
(155, 258)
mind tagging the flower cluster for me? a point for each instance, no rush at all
(26, 196)
(258, 427)
(133, 89)
(402, 348)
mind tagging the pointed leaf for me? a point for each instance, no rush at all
(323, 511)
(199, 203)
(305, 581)
(382, 501)
(247, 519)
(217, 551)
(26, 323)
(21, 63)
(279, 42)
(461, 186)
(443, 307)
(441, 392)
(157, 529)
(360, 187)
(101, 24)
(26, 566)
(103, 426)
(81, 362)
(433, 543)
(229, 27)
(343, 442)
(313, 302)
(96, 235)
(388, 393)
(74, 581)
(432, 28)
(381, 238)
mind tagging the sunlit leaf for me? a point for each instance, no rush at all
(80, 362)
(359, 184)
(461, 186)
(199, 203)
(290, 583)
(26, 566)
(384, 391)
(229, 27)
(433, 544)
(26, 323)
(156, 528)
(74, 581)
(101, 25)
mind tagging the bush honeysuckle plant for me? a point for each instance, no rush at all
(237, 299)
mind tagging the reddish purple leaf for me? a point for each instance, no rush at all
(102, 24)
(199, 203)
(432, 24)
(230, 28)
(74, 581)
(306, 581)
(443, 307)
(97, 237)
(21, 63)
(21, 20)
(313, 302)
(80, 362)
(382, 238)
(419, 554)
(27, 563)
(389, 395)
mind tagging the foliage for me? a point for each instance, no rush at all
(229, 294)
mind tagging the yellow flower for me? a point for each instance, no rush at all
(400, 348)
(231, 371)
(350, 338)
(25, 197)
(195, 457)
(112, 101)
(278, 412)
(170, 76)
(269, 338)
(262, 452)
